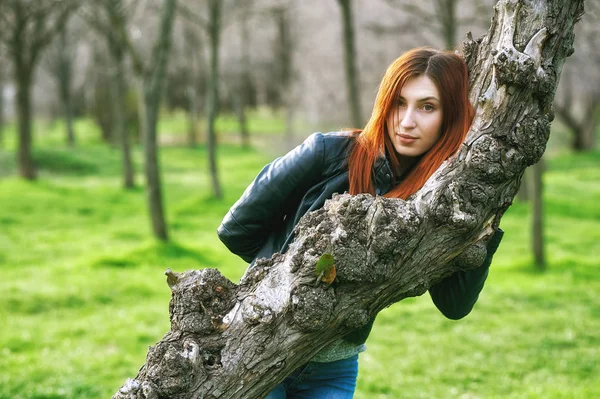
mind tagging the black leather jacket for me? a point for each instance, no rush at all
(261, 222)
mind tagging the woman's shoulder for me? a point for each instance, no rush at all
(335, 144)
(336, 147)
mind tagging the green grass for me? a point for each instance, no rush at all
(83, 295)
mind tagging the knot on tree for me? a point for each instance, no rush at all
(357, 319)
(134, 389)
(255, 310)
(470, 49)
(472, 256)
(199, 300)
(312, 307)
(485, 158)
(371, 232)
(513, 67)
(175, 366)
(453, 207)
(529, 137)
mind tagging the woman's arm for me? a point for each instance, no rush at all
(456, 295)
(261, 208)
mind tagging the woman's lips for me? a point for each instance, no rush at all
(405, 138)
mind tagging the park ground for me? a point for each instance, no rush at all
(83, 293)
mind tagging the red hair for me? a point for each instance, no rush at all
(448, 72)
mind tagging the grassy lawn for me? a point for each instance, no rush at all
(83, 292)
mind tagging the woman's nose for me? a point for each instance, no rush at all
(407, 120)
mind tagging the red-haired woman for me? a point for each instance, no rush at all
(420, 118)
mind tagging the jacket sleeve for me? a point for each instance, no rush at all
(260, 210)
(456, 295)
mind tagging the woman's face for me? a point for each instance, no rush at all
(414, 124)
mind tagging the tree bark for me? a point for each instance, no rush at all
(352, 81)
(212, 102)
(537, 214)
(239, 341)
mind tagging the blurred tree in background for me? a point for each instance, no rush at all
(28, 27)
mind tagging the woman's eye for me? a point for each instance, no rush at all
(428, 107)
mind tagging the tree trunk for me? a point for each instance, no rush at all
(213, 94)
(537, 214)
(289, 118)
(191, 49)
(152, 167)
(64, 83)
(583, 131)
(241, 99)
(152, 91)
(24, 158)
(350, 64)
(284, 57)
(239, 341)
(590, 124)
(192, 135)
(237, 103)
(1, 110)
(119, 123)
(446, 14)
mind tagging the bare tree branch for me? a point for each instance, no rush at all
(192, 16)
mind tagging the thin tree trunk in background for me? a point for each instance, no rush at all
(141, 108)
(537, 214)
(24, 157)
(119, 124)
(350, 64)
(192, 136)
(446, 13)
(241, 98)
(213, 94)
(152, 168)
(65, 77)
(289, 118)
(582, 132)
(152, 90)
(285, 46)
(590, 124)
(1, 110)
(237, 103)
(191, 45)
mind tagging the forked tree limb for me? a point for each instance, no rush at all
(239, 341)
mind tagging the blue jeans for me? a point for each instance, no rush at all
(333, 380)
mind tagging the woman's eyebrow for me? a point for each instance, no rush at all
(424, 99)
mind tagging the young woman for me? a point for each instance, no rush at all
(420, 118)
